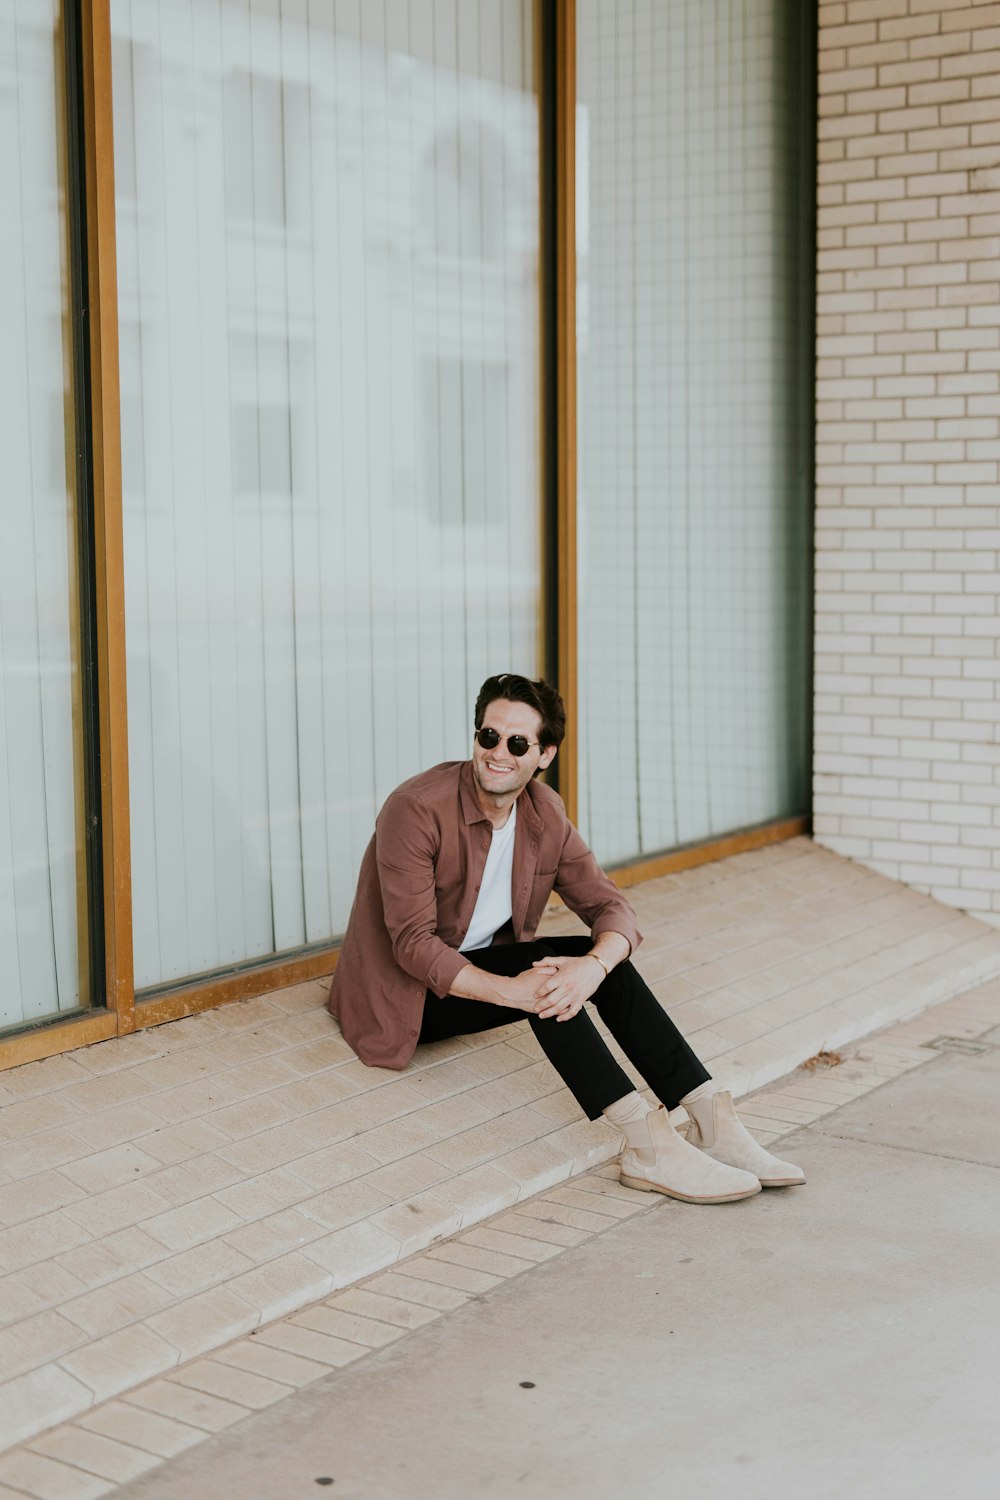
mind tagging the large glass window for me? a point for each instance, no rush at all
(694, 148)
(43, 928)
(328, 284)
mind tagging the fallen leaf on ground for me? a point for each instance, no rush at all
(822, 1060)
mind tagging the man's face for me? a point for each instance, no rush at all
(497, 772)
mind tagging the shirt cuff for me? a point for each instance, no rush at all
(444, 971)
(623, 924)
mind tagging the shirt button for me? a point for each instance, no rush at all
(414, 1033)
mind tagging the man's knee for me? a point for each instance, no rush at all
(623, 979)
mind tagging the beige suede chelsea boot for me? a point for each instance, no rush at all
(669, 1165)
(720, 1134)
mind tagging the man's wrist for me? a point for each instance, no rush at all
(600, 960)
(612, 948)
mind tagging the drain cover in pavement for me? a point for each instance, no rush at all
(958, 1044)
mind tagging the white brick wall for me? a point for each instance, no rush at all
(907, 764)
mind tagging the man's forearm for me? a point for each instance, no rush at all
(496, 989)
(611, 948)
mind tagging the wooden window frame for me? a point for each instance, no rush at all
(116, 1016)
(123, 1013)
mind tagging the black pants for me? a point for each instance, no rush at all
(575, 1048)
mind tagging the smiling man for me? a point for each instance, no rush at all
(441, 942)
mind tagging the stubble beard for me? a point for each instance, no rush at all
(498, 794)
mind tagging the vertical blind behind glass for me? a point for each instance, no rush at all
(328, 249)
(43, 929)
(694, 221)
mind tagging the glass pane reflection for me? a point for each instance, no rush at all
(328, 251)
(43, 929)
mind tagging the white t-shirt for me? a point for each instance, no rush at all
(493, 904)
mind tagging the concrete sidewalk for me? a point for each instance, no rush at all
(837, 1339)
(164, 1194)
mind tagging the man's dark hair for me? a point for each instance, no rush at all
(539, 695)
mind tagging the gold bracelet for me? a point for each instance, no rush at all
(600, 960)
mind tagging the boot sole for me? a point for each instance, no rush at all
(783, 1182)
(641, 1185)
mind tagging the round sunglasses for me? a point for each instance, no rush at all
(517, 744)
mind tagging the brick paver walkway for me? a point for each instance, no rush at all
(164, 1194)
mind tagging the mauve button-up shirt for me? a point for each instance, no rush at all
(417, 891)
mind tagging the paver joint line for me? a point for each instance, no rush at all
(119, 1147)
(216, 1412)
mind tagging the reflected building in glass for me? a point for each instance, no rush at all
(328, 268)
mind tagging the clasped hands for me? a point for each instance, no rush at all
(556, 987)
